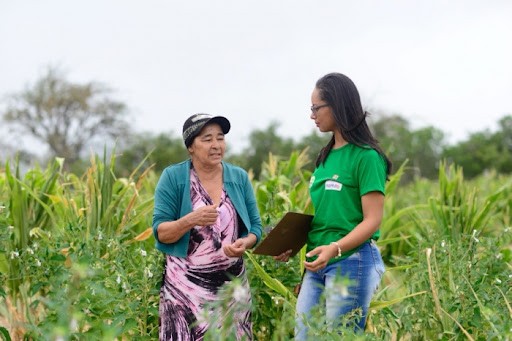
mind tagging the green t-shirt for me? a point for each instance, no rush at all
(336, 188)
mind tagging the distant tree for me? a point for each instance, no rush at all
(503, 138)
(425, 151)
(395, 137)
(161, 150)
(261, 143)
(423, 147)
(476, 155)
(484, 151)
(64, 116)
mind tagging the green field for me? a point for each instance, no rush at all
(77, 259)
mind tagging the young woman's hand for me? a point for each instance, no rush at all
(324, 253)
(283, 257)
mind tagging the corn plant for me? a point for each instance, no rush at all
(28, 212)
(458, 210)
(110, 202)
(283, 187)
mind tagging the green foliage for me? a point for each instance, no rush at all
(283, 187)
(27, 212)
(111, 203)
(458, 210)
(469, 289)
(475, 155)
(396, 228)
(77, 260)
(76, 294)
(5, 334)
(503, 139)
(63, 236)
(484, 151)
(459, 256)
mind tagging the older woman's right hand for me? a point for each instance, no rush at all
(206, 215)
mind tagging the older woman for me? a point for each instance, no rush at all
(205, 217)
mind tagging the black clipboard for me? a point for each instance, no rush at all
(291, 232)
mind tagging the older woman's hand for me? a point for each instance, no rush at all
(236, 249)
(240, 245)
(204, 216)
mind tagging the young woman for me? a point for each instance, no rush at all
(347, 191)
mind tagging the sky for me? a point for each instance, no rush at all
(436, 63)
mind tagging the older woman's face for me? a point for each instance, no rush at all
(209, 146)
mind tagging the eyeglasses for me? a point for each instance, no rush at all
(314, 109)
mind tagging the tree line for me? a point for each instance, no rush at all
(70, 118)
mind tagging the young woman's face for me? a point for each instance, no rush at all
(209, 146)
(321, 113)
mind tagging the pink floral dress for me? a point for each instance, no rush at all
(193, 282)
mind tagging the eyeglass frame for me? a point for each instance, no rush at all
(314, 109)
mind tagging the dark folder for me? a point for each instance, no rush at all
(291, 232)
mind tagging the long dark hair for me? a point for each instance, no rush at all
(341, 94)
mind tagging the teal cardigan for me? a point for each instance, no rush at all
(172, 201)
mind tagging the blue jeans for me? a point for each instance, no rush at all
(348, 284)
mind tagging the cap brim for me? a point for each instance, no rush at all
(222, 121)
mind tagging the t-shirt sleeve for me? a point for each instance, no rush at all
(371, 173)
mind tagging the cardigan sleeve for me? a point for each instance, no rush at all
(166, 206)
(252, 209)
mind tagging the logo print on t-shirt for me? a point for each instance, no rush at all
(333, 186)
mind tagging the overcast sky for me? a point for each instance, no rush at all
(446, 64)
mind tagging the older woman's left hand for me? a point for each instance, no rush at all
(236, 249)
